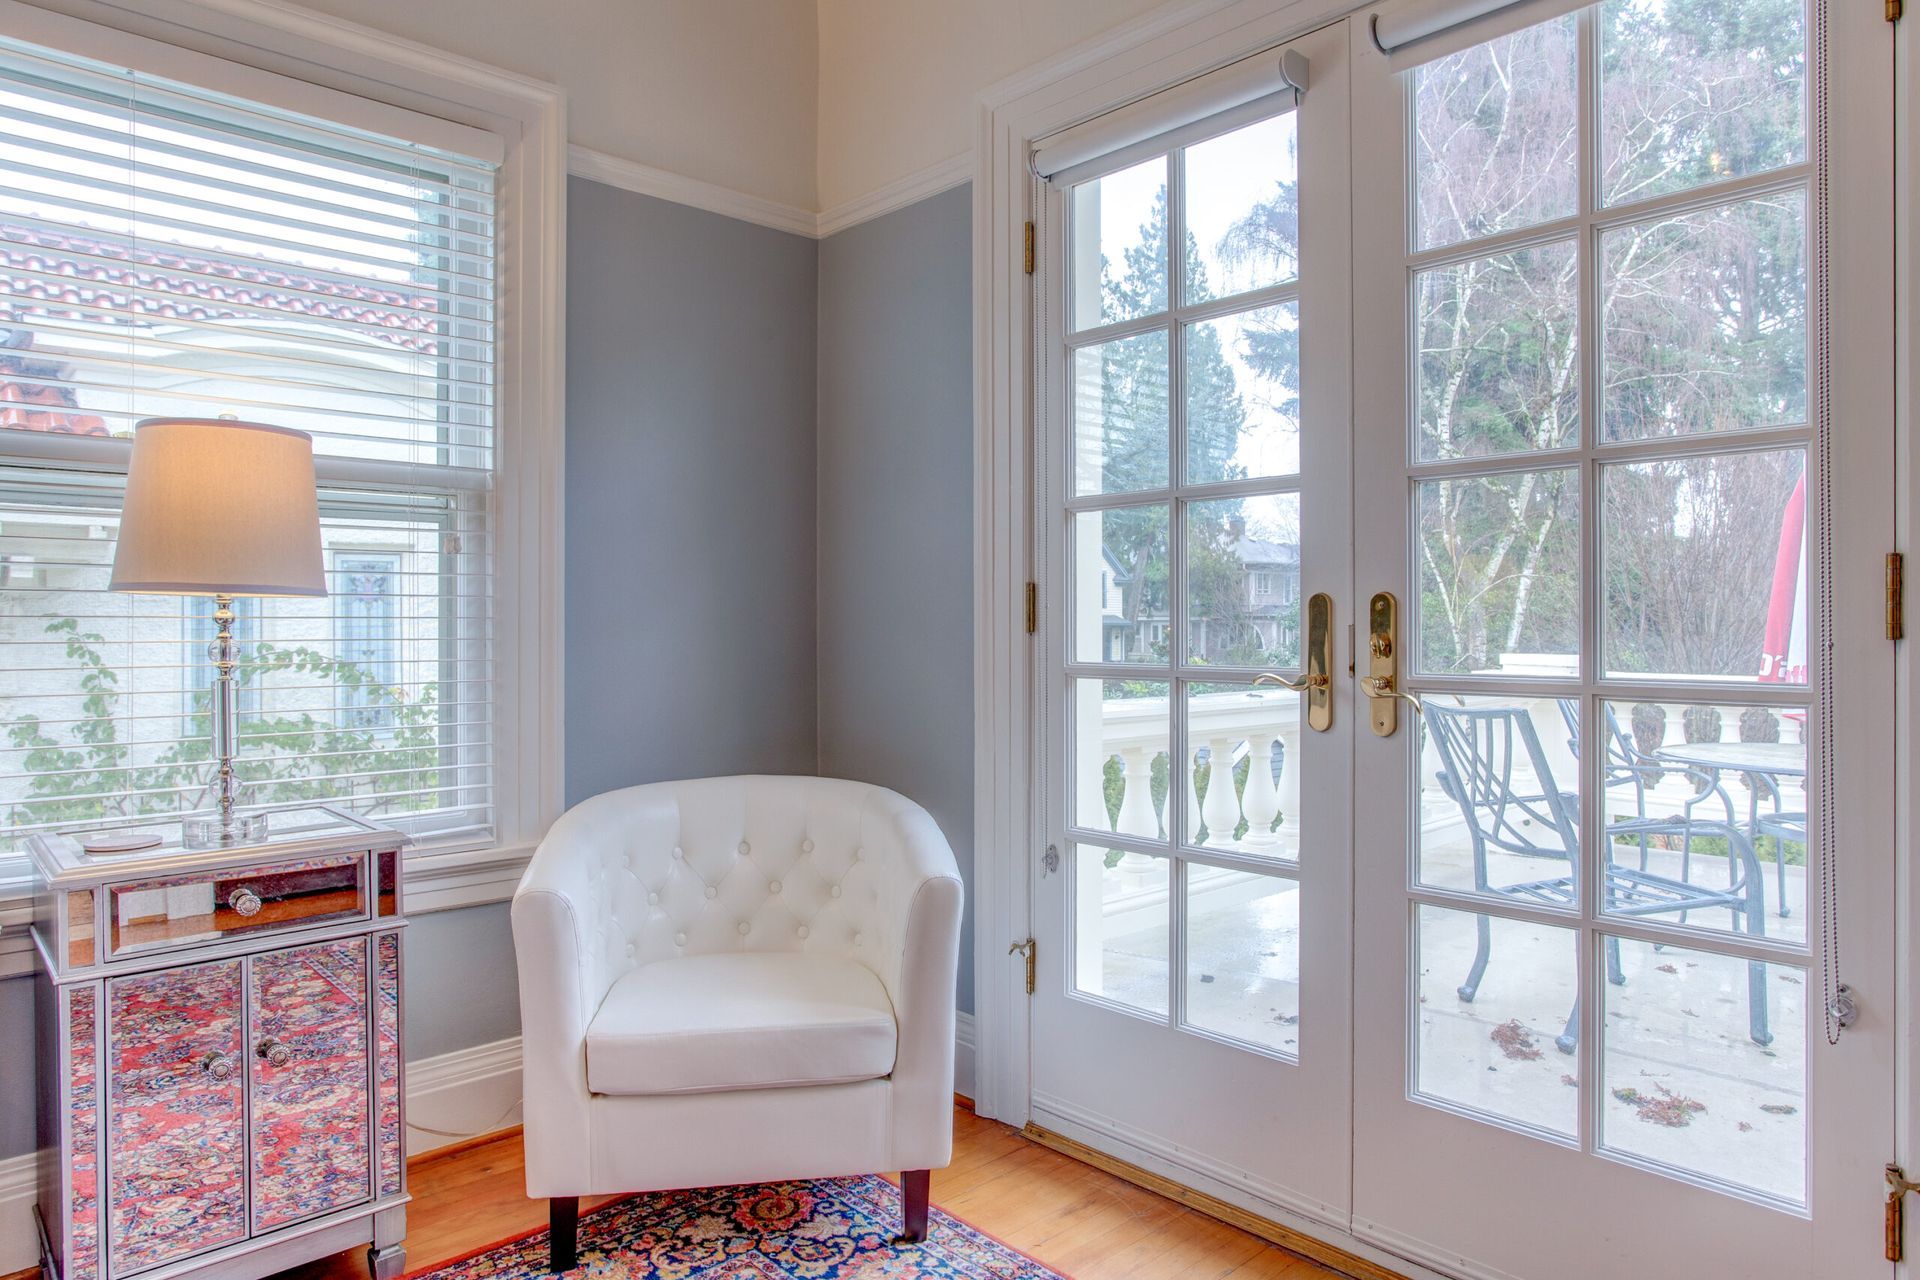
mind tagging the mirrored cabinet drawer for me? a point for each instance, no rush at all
(151, 915)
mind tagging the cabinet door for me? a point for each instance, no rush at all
(309, 1012)
(176, 1115)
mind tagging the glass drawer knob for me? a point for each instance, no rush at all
(275, 1053)
(244, 901)
(218, 1065)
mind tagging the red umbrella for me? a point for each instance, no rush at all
(1783, 651)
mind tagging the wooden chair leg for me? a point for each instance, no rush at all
(563, 1221)
(914, 1185)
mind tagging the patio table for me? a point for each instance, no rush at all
(1774, 759)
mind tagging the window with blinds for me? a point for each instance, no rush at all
(167, 250)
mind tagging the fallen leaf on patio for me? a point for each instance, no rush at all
(1779, 1109)
(1666, 968)
(1745, 1127)
(1690, 1013)
(1515, 1041)
(1569, 1081)
(1206, 977)
(1665, 1108)
(1787, 977)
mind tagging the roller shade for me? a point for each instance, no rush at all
(1411, 32)
(1236, 94)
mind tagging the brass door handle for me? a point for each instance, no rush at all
(1304, 683)
(1382, 687)
(1317, 680)
(1381, 683)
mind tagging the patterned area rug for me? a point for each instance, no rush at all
(826, 1229)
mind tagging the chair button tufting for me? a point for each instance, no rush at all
(712, 892)
(677, 853)
(743, 846)
(653, 899)
(859, 938)
(745, 928)
(806, 846)
(801, 931)
(679, 939)
(773, 887)
(857, 851)
(835, 891)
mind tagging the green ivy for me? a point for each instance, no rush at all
(389, 768)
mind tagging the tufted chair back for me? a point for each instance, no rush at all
(754, 863)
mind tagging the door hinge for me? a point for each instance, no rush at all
(1033, 607)
(1028, 949)
(1029, 253)
(1894, 9)
(1897, 1188)
(1896, 596)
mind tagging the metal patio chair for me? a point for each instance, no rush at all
(1480, 749)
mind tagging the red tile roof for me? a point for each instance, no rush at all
(165, 291)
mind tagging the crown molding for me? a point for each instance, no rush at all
(629, 175)
(898, 194)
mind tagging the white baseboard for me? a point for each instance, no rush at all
(19, 1187)
(461, 1095)
(963, 1054)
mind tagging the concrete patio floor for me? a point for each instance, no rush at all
(1683, 1084)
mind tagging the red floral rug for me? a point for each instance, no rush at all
(825, 1229)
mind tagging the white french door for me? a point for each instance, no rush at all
(1589, 893)
(1525, 357)
(1191, 1012)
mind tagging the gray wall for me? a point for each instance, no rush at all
(700, 559)
(690, 519)
(896, 514)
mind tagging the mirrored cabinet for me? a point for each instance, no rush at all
(220, 1051)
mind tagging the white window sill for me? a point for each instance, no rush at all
(434, 882)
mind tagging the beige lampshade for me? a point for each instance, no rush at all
(217, 507)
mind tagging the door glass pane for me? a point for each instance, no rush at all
(1491, 1021)
(1120, 585)
(1706, 811)
(1705, 1066)
(1704, 319)
(1243, 581)
(1120, 427)
(1120, 927)
(1243, 956)
(1243, 395)
(1698, 91)
(1253, 735)
(1243, 210)
(1500, 574)
(1704, 566)
(1119, 234)
(1494, 136)
(1499, 360)
(1499, 798)
(1120, 756)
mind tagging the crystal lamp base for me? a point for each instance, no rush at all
(212, 831)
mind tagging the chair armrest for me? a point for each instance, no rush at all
(918, 914)
(557, 949)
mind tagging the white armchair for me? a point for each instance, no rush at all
(736, 980)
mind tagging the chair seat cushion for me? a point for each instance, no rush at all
(752, 1020)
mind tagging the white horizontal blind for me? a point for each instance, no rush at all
(166, 250)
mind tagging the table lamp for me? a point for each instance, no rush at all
(221, 508)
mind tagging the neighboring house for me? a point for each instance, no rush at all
(1268, 608)
(210, 334)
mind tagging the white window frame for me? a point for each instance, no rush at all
(343, 68)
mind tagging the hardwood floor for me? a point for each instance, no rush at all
(1071, 1216)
